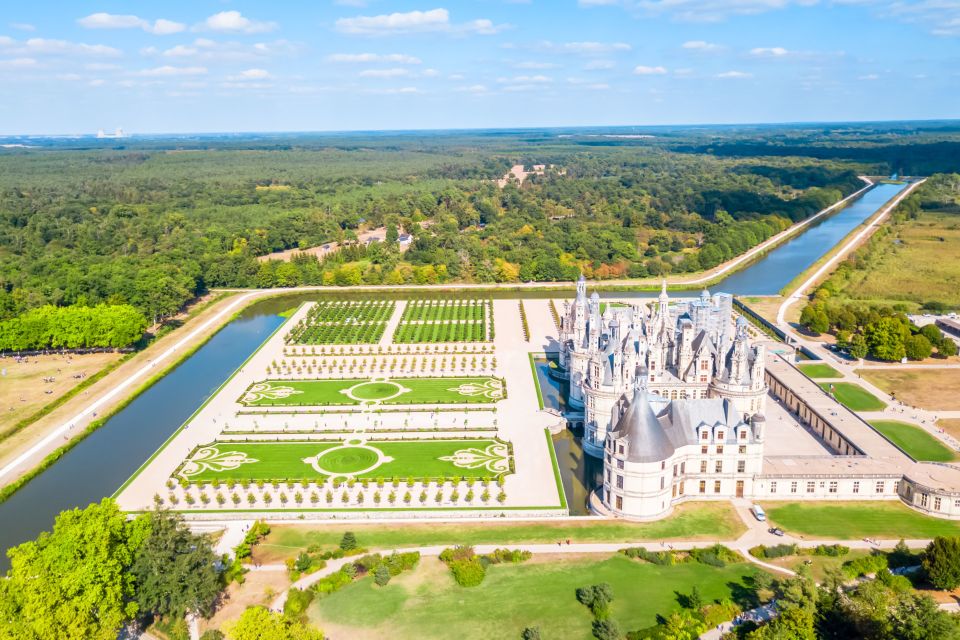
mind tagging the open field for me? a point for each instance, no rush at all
(950, 425)
(853, 396)
(920, 261)
(374, 459)
(23, 390)
(819, 565)
(316, 393)
(819, 370)
(427, 603)
(932, 389)
(915, 441)
(856, 520)
(708, 521)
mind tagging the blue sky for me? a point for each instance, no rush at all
(205, 66)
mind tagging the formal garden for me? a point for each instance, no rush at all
(316, 461)
(445, 321)
(355, 391)
(918, 444)
(342, 322)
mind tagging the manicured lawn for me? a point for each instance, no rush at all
(376, 459)
(853, 396)
(856, 520)
(915, 441)
(818, 564)
(427, 603)
(819, 370)
(708, 521)
(316, 393)
(933, 389)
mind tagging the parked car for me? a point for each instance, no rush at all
(777, 531)
(758, 513)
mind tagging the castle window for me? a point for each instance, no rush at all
(720, 435)
(619, 482)
(681, 487)
(743, 434)
(856, 486)
(703, 450)
(683, 468)
(703, 378)
(936, 504)
(620, 449)
(608, 475)
(703, 466)
(674, 471)
(879, 487)
(703, 486)
(663, 465)
(716, 486)
(619, 464)
(833, 486)
(704, 435)
(743, 449)
(619, 503)
(923, 500)
(719, 466)
(719, 449)
(896, 487)
(956, 504)
(704, 364)
(773, 487)
(741, 466)
(793, 487)
(811, 487)
(662, 482)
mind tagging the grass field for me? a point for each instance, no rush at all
(915, 441)
(708, 521)
(818, 564)
(922, 264)
(24, 391)
(427, 603)
(853, 396)
(319, 460)
(933, 389)
(819, 370)
(856, 520)
(950, 425)
(316, 393)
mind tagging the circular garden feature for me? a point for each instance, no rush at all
(348, 460)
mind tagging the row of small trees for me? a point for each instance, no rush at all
(76, 327)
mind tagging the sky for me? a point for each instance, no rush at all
(181, 66)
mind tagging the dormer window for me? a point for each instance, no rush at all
(704, 435)
(720, 435)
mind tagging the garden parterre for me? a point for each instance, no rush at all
(445, 321)
(374, 391)
(342, 322)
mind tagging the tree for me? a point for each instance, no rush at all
(381, 575)
(175, 570)
(932, 333)
(212, 634)
(885, 339)
(858, 346)
(947, 348)
(695, 601)
(348, 542)
(941, 561)
(683, 625)
(597, 597)
(917, 347)
(530, 633)
(73, 583)
(257, 623)
(606, 629)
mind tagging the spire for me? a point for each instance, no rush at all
(582, 288)
(663, 292)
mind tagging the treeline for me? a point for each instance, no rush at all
(74, 327)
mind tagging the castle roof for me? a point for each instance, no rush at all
(646, 439)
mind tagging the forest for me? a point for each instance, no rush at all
(152, 223)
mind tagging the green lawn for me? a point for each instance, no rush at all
(819, 370)
(856, 520)
(315, 393)
(915, 441)
(853, 396)
(376, 459)
(708, 521)
(427, 603)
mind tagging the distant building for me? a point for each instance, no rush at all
(118, 133)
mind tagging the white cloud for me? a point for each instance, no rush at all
(708, 10)
(22, 26)
(456, 76)
(537, 79)
(384, 73)
(18, 63)
(769, 52)
(701, 45)
(396, 58)
(583, 48)
(44, 46)
(432, 21)
(733, 75)
(235, 22)
(254, 74)
(204, 49)
(168, 70)
(474, 88)
(643, 70)
(160, 27)
(430, 73)
(536, 65)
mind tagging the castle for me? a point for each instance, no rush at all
(662, 388)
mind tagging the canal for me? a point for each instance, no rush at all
(99, 464)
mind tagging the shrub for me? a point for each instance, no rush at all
(598, 598)
(468, 573)
(775, 551)
(653, 557)
(831, 550)
(864, 566)
(349, 541)
(381, 575)
(212, 634)
(297, 602)
(715, 556)
(941, 561)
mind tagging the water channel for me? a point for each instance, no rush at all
(101, 462)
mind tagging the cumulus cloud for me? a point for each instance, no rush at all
(643, 70)
(396, 58)
(432, 21)
(599, 64)
(701, 45)
(769, 52)
(47, 47)
(734, 75)
(253, 74)
(160, 27)
(236, 22)
(537, 79)
(170, 71)
(18, 63)
(586, 48)
(204, 49)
